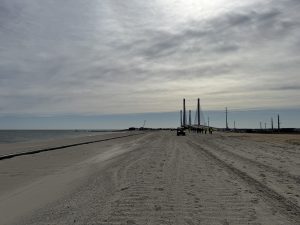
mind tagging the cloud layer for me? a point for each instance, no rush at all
(113, 56)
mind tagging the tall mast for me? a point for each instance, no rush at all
(184, 114)
(226, 118)
(198, 112)
(181, 118)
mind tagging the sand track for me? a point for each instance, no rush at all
(271, 197)
(160, 178)
(283, 182)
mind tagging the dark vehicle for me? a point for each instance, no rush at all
(180, 131)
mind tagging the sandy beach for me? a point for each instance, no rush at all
(155, 178)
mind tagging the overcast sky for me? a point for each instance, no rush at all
(114, 56)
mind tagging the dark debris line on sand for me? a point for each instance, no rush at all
(9, 156)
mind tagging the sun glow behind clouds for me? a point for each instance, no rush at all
(181, 11)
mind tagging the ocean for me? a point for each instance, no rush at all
(15, 136)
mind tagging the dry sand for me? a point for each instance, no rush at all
(156, 178)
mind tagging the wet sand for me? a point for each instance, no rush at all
(10, 148)
(156, 178)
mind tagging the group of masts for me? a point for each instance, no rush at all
(183, 115)
(271, 124)
(260, 123)
(197, 122)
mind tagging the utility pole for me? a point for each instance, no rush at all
(265, 126)
(198, 112)
(278, 122)
(226, 119)
(234, 124)
(272, 125)
(184, 115)
(260, 126)
(208, 121)
(180, 118)
(190, 117)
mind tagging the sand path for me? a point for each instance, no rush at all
(159, 178)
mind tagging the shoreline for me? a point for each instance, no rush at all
(17, 147)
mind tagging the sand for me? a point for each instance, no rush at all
(293, 139)
(156, 178)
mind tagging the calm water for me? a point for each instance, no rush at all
(13, 136)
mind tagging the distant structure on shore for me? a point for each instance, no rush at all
(200, 122)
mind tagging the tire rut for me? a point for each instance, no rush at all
(256, 163)
(284, 205)
(281, 181)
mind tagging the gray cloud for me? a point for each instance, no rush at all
(107, 56)
(226, 34)
(288, 88)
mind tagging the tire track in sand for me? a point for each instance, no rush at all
(213, 196)
(281, 181)
(174, 183)
(280, 203)
(153, 193)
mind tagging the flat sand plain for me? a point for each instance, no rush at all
(157, 178)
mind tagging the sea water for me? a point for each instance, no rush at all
(15, 136)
